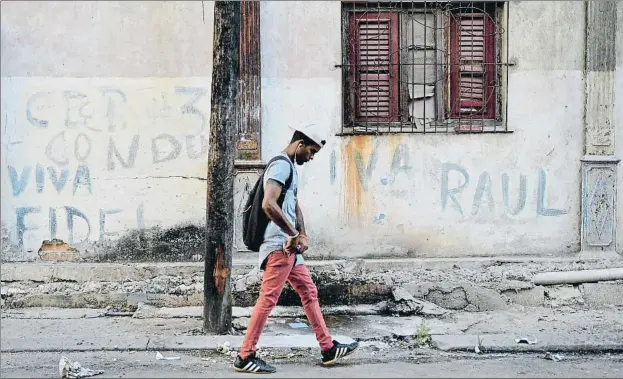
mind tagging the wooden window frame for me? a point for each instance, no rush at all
(489, 68)
(355, 20)
(447, 121)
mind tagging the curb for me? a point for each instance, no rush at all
(505, 343)
(182, 343)
(490, 343)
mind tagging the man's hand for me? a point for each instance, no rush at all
(290, 245)
(303, 242)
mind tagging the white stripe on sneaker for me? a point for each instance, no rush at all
(255, 369)
(247, 366)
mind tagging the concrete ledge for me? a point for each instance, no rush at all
(471, 284)
(505, 343)
(95, 343)
(491, 343)
(179, 343)
(119, 272)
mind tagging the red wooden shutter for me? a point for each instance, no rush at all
(472, 62)
(374, 65)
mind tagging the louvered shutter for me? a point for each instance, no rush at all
(374, 66)
(472, 65)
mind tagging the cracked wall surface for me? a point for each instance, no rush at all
(105, 126)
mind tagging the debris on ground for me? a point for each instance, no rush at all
(127, 310)
(404, 304)
(284, 356)
(553, 357)
(160, 357)
(70, 370)
(241, 323)
(479, 348)
(225, 348)
(526, 340)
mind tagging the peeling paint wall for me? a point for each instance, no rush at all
(434, 195)
(105, 109)
(105, 118)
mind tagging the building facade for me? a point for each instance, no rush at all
(454, 129)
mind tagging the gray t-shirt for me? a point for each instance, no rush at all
(274, 237)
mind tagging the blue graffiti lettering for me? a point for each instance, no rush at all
(18, 183)
(59, 183)
(521, 202)
(82, 178)
(541, 207)
(113, 152)
(53, 226)
(103, 214)
(450, 193)
(20, 223)
(71, 213)
(483, 187)
(176, 148)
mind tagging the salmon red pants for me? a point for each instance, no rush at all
(279, 269)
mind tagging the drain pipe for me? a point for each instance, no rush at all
(577, 277)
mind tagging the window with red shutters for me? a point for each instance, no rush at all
(424, 67)
(374, 62)
(472, 66)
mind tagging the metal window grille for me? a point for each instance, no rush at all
(424, 67)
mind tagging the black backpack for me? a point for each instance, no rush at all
(254, 219)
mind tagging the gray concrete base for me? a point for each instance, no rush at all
(476, 284)
(506, 343)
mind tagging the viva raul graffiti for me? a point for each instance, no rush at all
(75, 149)
(484, 195)
(459, 191)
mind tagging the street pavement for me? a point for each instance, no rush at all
(564, 342)
(144, 365)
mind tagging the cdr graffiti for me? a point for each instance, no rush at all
(66, 143)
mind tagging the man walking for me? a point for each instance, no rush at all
(281, 256)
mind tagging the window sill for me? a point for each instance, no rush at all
(465, 126)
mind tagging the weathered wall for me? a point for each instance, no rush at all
(123, 147)
(105, 117)
(434, 195)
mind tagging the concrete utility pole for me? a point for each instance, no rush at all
(221, 156)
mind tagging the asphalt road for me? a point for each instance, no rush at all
(306, 364)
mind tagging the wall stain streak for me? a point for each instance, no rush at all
(358, 162)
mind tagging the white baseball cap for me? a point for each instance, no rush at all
(312, 132)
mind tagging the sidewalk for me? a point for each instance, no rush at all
(179, 329)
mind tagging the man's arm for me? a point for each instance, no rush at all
(300, 226)
(300, 223)
(272, 190)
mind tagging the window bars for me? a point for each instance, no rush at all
(424, 67)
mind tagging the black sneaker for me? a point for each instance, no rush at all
(253, 365)
(339, 350)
